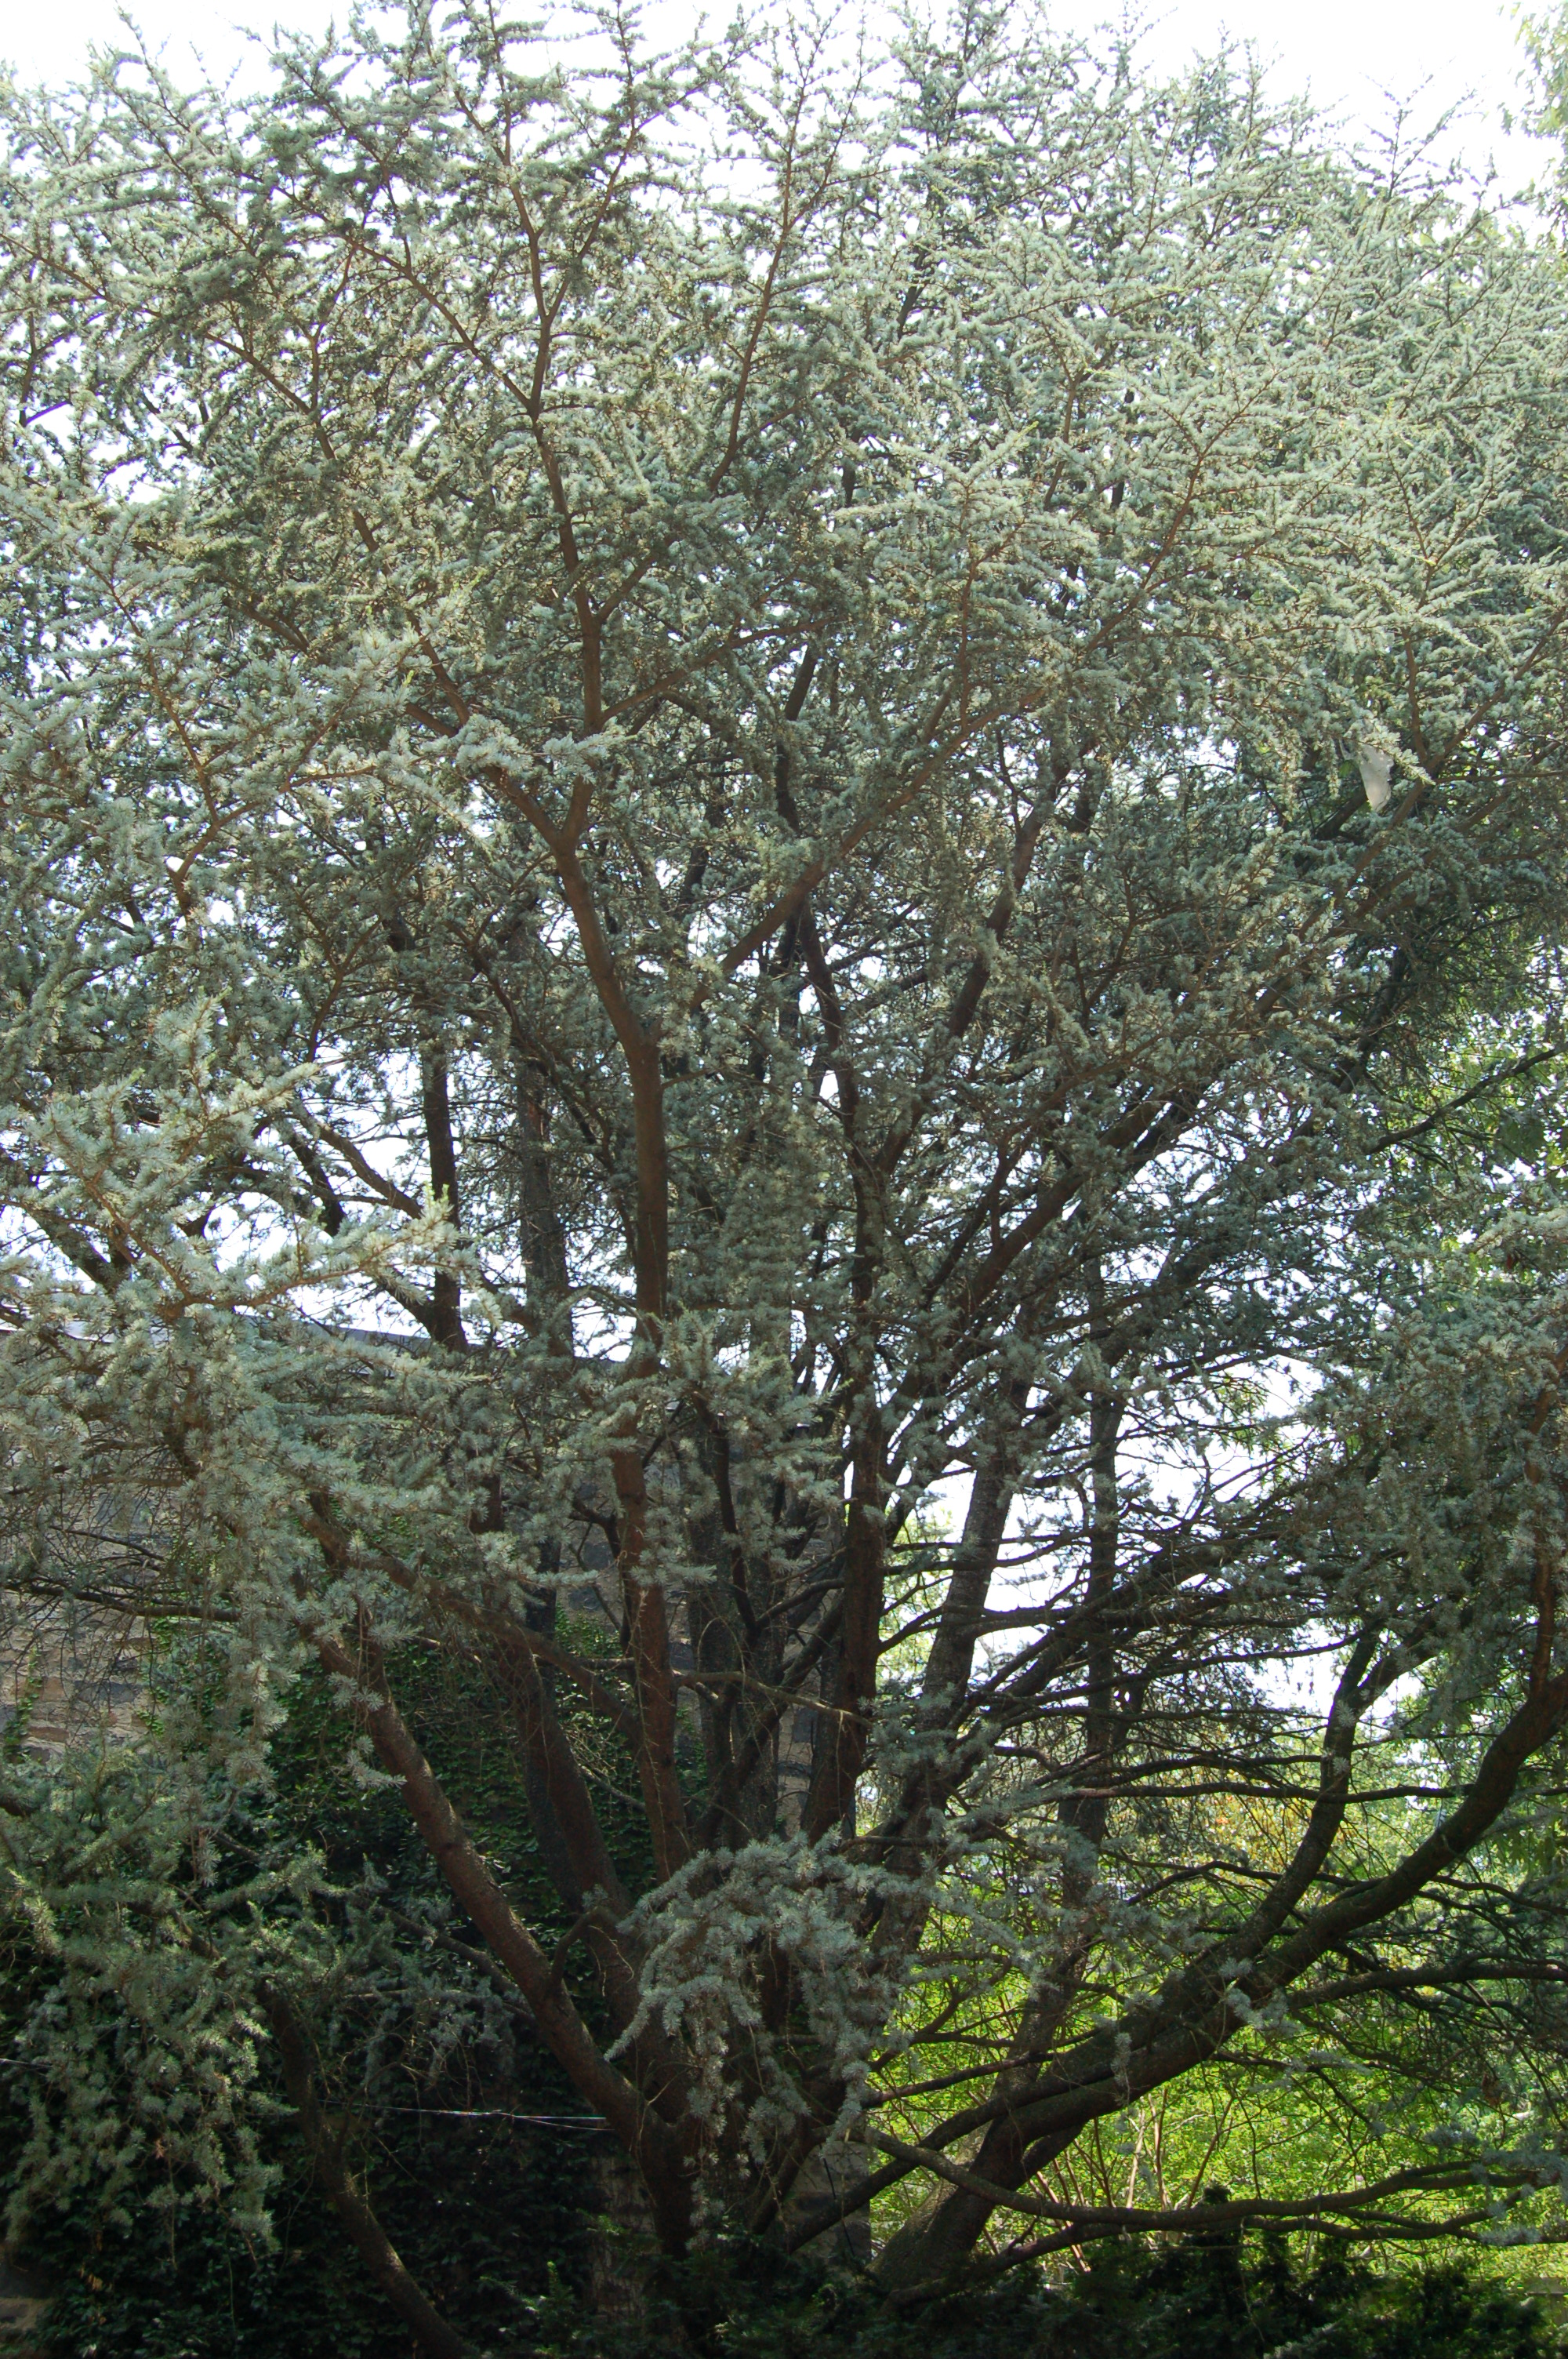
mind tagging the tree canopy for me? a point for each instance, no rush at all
(782, 883)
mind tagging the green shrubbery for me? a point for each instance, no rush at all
(476, 2209)
(1196, 2299)
(130, 2294)
(484, 2206)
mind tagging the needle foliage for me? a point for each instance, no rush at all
(782, 883)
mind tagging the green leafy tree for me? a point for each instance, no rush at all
(740, 796)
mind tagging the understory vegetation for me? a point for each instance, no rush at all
(483, 2170)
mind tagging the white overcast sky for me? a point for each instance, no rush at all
(1354, 57)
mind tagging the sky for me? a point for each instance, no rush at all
(1358, 58)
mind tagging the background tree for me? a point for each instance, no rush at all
(750, 804)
